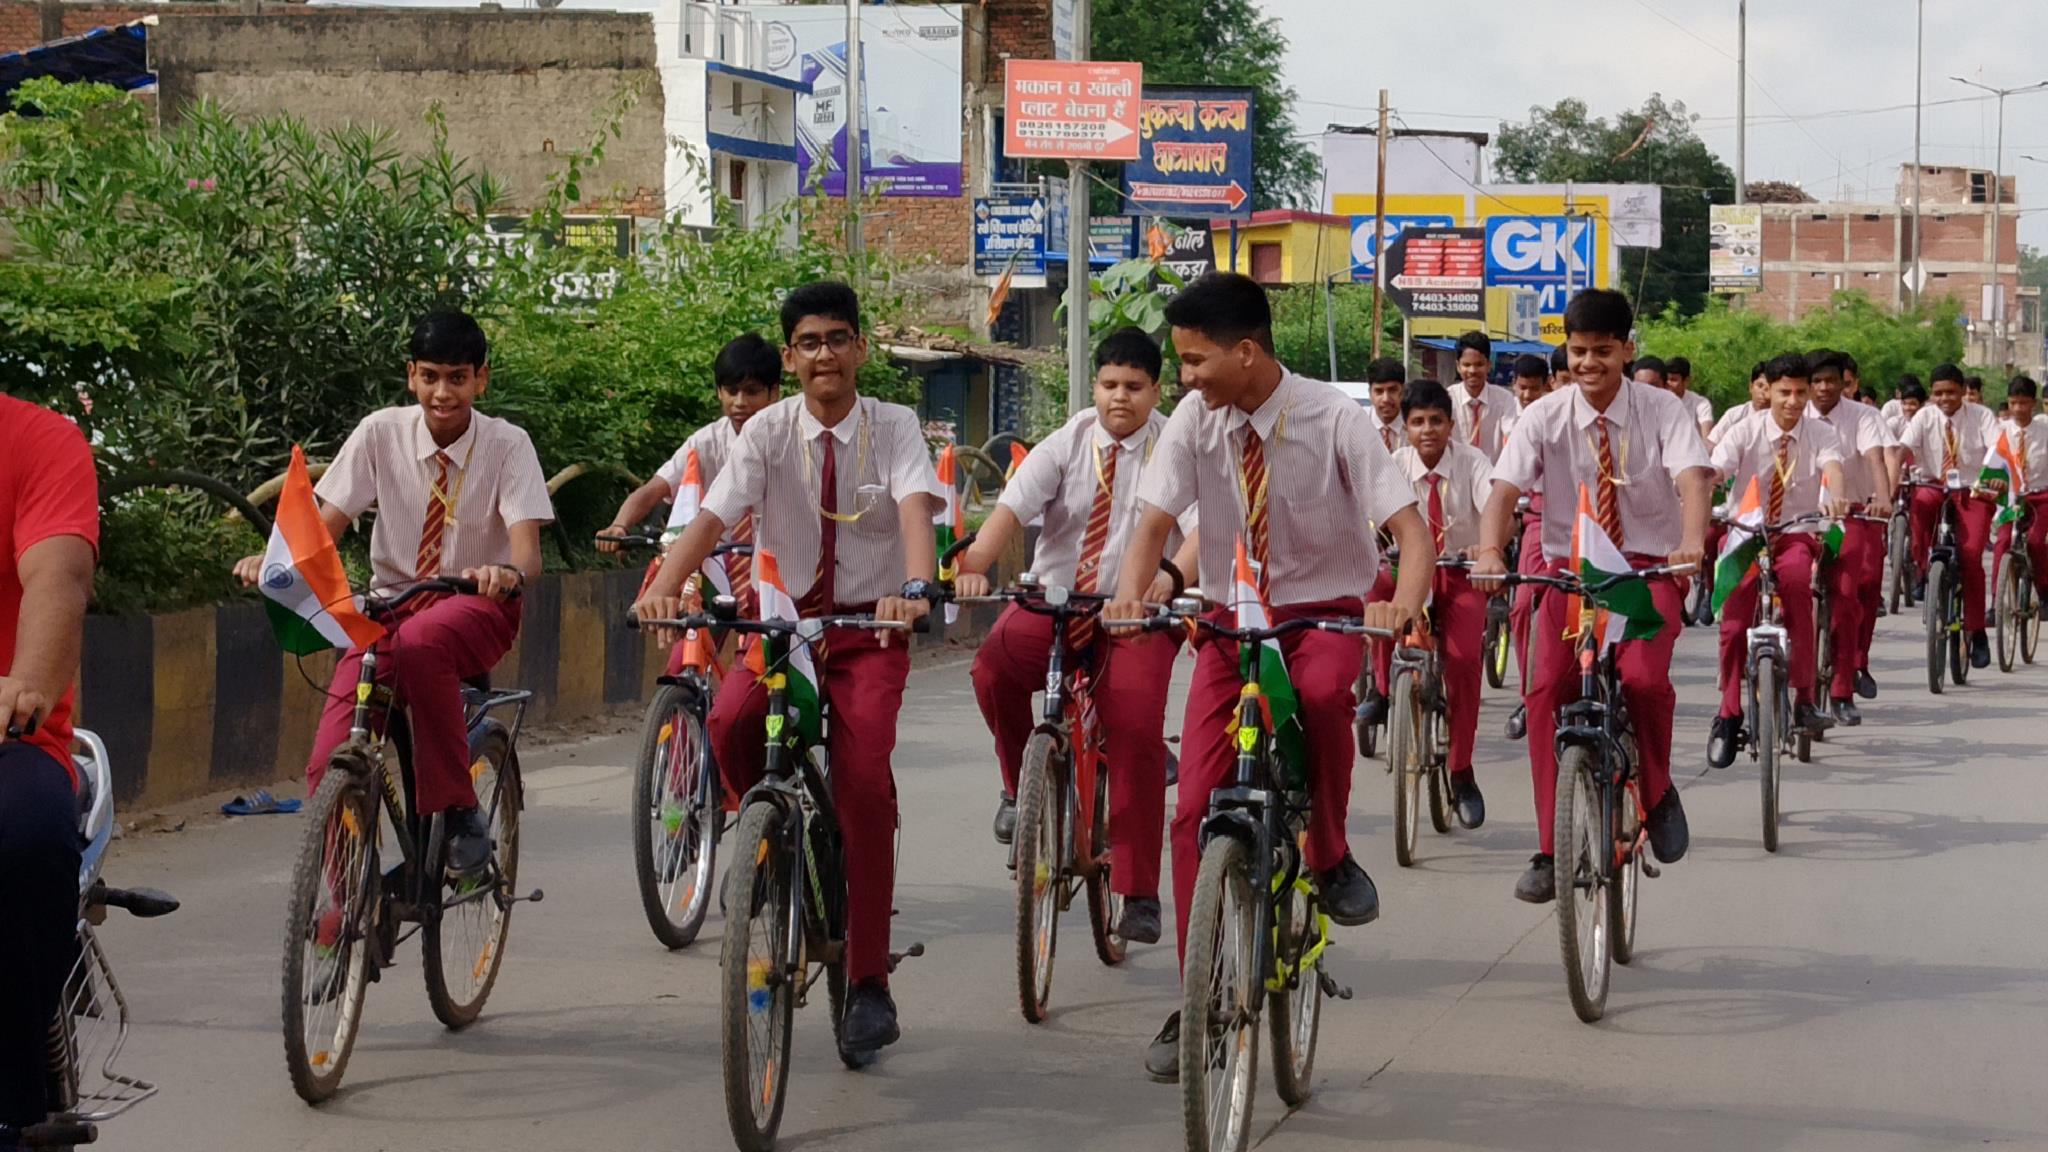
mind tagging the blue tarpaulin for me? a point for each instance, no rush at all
(1500, 347)
(116, 55)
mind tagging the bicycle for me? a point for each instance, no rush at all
(786, 881)
(1898, 551)
(1601, 836)
(678, 805)
(2018, 608)
(1257, 933)
(1823, 618)
(91, 1026)
(1499, 642)
(1767, 725)
(345, 914)
(1419, 734)
(1942, 610)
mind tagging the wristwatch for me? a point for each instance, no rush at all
(918, 590)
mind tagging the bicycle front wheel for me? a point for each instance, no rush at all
(1039, 874)
(1296, 1010)
(1934, 613)
(676, 817)
(757, 993)
(1436, 755)
(1496, 649)
(1583, 874)
(1220, 993)
(1105, 907)
(1768, 740)
(1622, 894)
(1404, 760)
(1958, 647)
(330, 922)
(464, 943)
(2006, 608)
(1898, 571)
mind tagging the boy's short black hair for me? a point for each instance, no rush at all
(1790, 364)
(1944, 372)
(1477, 341)
(1906, 380)
(1560, 361)
(1678, 366)
(1226, 307)
(2022, 386)
(1600, 312)
(1130, 347)
(1973, 383)
(747, 359)
(1913, 390)
(448, 336)
(1649, 364)
(1529, 367)
(1386, 370)
(1826, 360)
(828, 298)
(1849, 364)
(1424, 396)
(1757, 369)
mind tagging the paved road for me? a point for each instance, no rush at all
(1881, 983)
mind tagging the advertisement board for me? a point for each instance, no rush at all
(1009, 235)
(1735, 259)
(1194, 154)
(910, 87)
(1438, 273)
(1071, 110)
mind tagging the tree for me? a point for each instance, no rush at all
(1654, 144)
(2033, 267)
(1227, 42)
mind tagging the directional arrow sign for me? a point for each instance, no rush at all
(1186, 196)
(1194, 153)
(1438, 273)
(1071, 110)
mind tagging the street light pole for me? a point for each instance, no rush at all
(856, 244)
(1919, 66)
(1080, 381)
(1741, 99)
(1997, 207)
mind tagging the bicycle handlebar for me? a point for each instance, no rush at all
(374, 605)
(1343, 625)
(1573, 584)
(641, 540)
(808, 628)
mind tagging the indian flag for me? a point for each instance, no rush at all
(305, 588)
(1595, 558)
(689, 498)
(800, 666)
(950, 521)
(1017, 453)
(1740, 546)
(1831, 539)
(1283, 707)
(2004, 464)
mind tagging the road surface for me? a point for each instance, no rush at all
(1880, 983)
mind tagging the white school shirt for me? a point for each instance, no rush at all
(1860, 429)
(2030, 444)
(1751, 452)
(1059, 480)
(713, 443)
(1497, 408)
(1465, 481)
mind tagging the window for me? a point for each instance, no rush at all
(1818, 216)
(1266, 263)
(1870, 215)
(1979, 187)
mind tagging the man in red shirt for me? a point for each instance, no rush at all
(49, 531)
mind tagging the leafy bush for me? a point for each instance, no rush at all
(167, 549)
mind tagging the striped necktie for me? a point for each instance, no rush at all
(1256, 525)
(1780, 473)
(818, 601)
(740, 566)
(1088, 575)
(1476, 405)
(1608, 497)
(1436, 510)
(428, 564)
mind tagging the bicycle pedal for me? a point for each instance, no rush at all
(1329, 986)
(910, 953)
(1651, 870)
(533, 897)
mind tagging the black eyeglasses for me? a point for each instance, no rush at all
(811, 345)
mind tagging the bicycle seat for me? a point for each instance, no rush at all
(480, 682)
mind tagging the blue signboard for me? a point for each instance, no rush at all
(1365, 246)
(1542, 252)
(1194, 154)
(1009, 235)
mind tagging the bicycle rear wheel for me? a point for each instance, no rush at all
(1622, 895)
(1958, 645)
(757, 995)
(1435, 754)
(1296, 1011)
(1768, 739)
(2030, 619)
(1105, 907)
(330, 920)
(463, 943)
(1583, 927)
(676, 817)
(1898, 569)
(1823, 642)
(2006, 608)
(1220, 991)
(1496, 648)
(1934, 614)
(1404, 759)
(1039, 874)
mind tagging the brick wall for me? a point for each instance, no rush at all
(23, 22)
(1019, 28)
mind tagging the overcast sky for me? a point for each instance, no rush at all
(1469, 64)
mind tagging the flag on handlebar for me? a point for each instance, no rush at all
(950, 522)
(1595, 558)
(1831, 538)
(1017, 453)
(800, 667)
(1283, 707)
(689, 498)
(1739, 547)
(2003, 465)
(304, 586)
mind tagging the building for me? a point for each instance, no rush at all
(1285, 246)
(1813, 250)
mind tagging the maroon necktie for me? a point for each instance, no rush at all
(818, 601)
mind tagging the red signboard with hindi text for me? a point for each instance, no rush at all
(1071, 110)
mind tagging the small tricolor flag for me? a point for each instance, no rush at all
(800, 667)
(689, 498)
(950, 521)
(305, 587)
(2004, 464)
(1739, 547)
(1283, 707)
(1017, 453)
(1595, 558)
(1831, 538)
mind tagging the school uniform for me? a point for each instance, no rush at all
(712, 445)
(2029, 443)
(1702, 409)
(1643, 442)
(1529, 560)
(1308, 473)
(1483, 420)
(1857, 574)
(1084, 483)
(440, 511)
(825, 506)
(1941, 444)
(1787, 467)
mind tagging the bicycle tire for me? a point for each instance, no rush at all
(673, 867)
(1933, 612)
(1583, 929)
(1105, 907)
(1040, 873)
(1496, 649)
(1440, 799)
(1623, 895)
(1823, 642)
(316, 1069)
(1295, 1012)
(1898, 553)
(458, 1002)
(752, 986)
(1768, 739)
(1958, 645)
(2007, 608)
(1437, 753)
(2030, 619)
(1217, 936)
(1404, 760)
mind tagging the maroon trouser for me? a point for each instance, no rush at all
(1528, 561)
(1971, 541)
(1856, 585)
(1131, 678)
(1792, 558)
(864, 683)
(2037, 538)
(425, 660)
(1457, 616)
(1323, 667)
(1645, 667)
